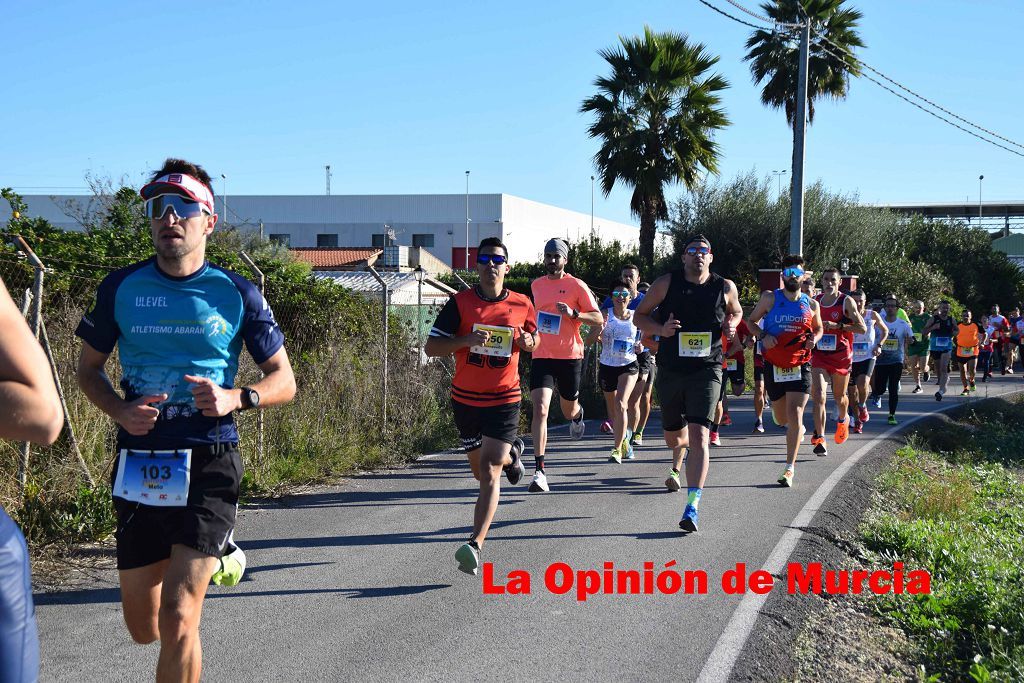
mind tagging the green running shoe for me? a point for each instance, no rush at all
(892, 420)
(231, 569)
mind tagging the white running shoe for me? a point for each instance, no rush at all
(577, 427)
(539, 483)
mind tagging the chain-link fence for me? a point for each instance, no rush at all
(366, 397)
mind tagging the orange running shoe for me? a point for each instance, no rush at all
(842, 431)
(815, 439)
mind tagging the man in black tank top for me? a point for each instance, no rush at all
(694, 309)
(942, 329)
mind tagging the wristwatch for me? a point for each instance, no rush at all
(250, 398)
(575, 313)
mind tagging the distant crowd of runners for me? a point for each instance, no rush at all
(179, 324)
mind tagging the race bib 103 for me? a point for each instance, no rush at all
(159, 478)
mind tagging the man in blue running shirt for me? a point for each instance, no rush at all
(179, 323)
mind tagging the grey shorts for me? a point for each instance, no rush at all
(688, 396)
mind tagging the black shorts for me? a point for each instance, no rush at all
(777, 390)
(861, 368)
(961, 361)
(645, 364)
(608, 375)
(474, 423)
(759, 373)
(936, 356)
(561, 373)
(737, 376)
(688, 396)
(145, 533)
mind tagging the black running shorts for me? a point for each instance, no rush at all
(862, 367)
(689, 396)
(608, 375)
(146, 533)
(561, 373)
(474, 423)
(777, 390)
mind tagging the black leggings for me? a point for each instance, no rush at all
(887, 377)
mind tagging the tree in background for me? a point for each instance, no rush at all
(914, 258)
(656, 115)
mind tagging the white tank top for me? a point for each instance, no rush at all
(863, 344)
(617, 340)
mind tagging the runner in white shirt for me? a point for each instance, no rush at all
(889, 364)
(620, 343)
(867, 346)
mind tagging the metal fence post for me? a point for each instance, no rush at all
(385, 297)
(419, 317)
(35, 313)
(261, 283)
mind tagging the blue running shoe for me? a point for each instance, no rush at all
(689, 521)
(627, 445)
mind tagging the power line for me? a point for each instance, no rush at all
(736, 19)
(762, 18)
(885, 87)
(917, 95)
(926, 111)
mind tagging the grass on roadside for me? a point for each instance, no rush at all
(952, 502)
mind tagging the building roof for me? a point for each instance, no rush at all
(363, 281)
(321, 258)
(1011, 245)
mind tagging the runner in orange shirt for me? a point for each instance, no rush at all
(484, 328)
(563, 303)
(969, 338)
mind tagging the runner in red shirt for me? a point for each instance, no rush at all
(485, 327)
(832, 358)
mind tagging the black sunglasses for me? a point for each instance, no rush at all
(496, 259)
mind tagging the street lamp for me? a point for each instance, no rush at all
(224, 197)
(467, 220)
(779, 174)
(591, 205)
(980, 178)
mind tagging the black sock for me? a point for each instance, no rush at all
(714, 427)
(675, 471)
(579, 416)
(540, 463)
(473, 543)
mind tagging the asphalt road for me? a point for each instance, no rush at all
(358, 582)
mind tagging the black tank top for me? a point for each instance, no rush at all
(945, 328)
(700, 309)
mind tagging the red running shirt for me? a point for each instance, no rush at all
(486, 380)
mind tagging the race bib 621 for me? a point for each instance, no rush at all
(694, 344)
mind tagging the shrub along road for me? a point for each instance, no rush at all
(358, 582)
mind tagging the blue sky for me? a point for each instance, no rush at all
(405, 97)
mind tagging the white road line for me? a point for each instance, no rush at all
(727, 650)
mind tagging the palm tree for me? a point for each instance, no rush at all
(774, 56)
(656, 115)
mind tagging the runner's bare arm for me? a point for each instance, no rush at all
(655, 295)
(883, 334)
(446, 346)
(137, 417)
(764, 304)
(276, 387)
(733, 310)
(27, 392)
(856, 323)
(816, 327)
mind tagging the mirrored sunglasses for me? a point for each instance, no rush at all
(496, 259)
(693, 251)
(158, 206)
(792, 271)
(621, 294)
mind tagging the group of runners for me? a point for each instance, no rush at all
(685, 334)
(179, 324)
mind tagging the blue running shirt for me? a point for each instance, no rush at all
(166, 327)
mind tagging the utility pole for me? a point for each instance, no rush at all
(980, 178)
(796, 221)
(328, 168)
(467, 220)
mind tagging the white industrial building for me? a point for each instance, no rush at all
(435, 222)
